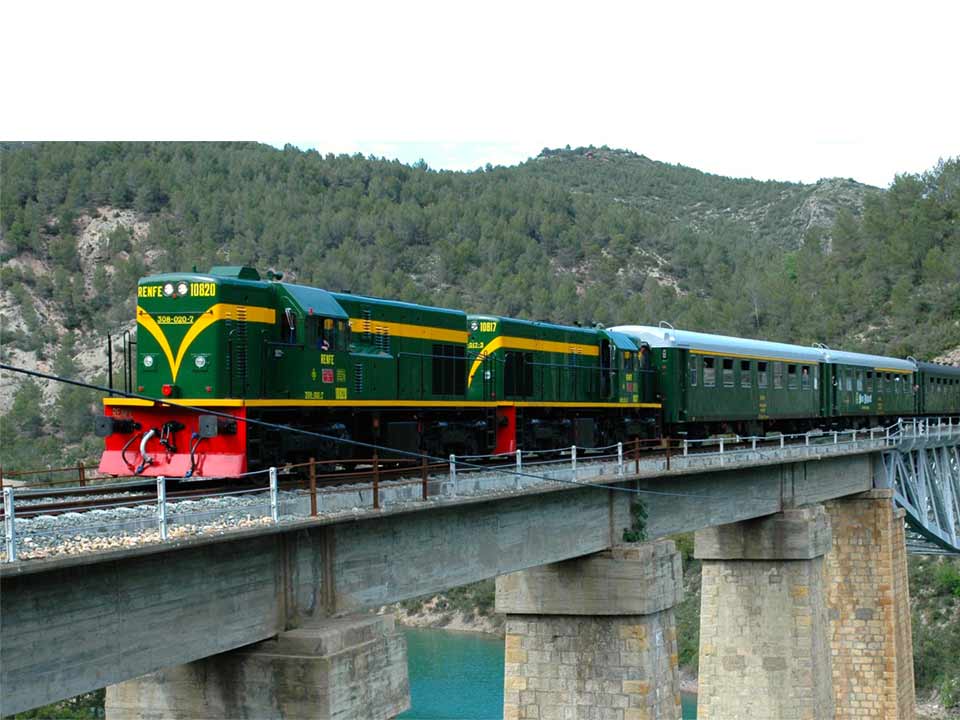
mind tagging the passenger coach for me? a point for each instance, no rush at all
(715, 383)
(938, 389)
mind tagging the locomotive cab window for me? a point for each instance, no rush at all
(630, 364)
(804, 377)
(709, 372)
(322, 333)
(727, 372)
(761, 374)
(746, 378)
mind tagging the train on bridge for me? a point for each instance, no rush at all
(216, 349)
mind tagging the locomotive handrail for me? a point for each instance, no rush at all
(433, 356)
(110, 363)
(128, 345)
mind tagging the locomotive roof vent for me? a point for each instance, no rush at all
(241, 272)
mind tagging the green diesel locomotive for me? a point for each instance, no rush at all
(354, 368)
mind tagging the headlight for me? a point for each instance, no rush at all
(148, 361)
(168, 289)
(182, 288)
(200, 361)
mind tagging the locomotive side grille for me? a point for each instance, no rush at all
(237, 357)
(382, 341)
(365, 323)
(358, 378)
(241, 349)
